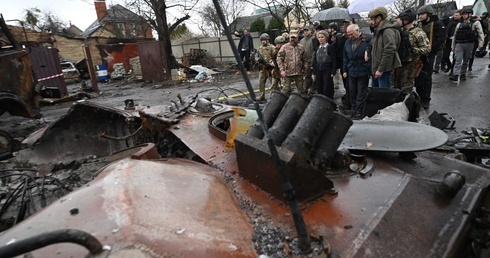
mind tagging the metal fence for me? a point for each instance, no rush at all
(216, 47)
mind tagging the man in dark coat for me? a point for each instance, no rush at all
(356, 67)
(451, 26)
(245, 47)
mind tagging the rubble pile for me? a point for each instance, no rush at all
(25, 191)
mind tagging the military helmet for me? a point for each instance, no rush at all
(425, 9)
(467, 11)
(333, 25)
(378, 11)
(264, 36)
(484, 14)
(408, 15)
(279, 40)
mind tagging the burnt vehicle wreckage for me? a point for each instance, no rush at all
(198, 179)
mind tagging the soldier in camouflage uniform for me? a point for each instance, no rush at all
(293, 64)
(266, 52)
(436, 33)
(276, 74)
(405, 76)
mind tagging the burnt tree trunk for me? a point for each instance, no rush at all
(163, 31)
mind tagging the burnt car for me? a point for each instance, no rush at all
(70, 72)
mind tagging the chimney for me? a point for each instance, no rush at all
(100, 8)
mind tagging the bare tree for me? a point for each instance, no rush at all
(284, 10)
(211, 23)
(402, 5)
(155, 11)
(326, 4)
(343, 3)
(47, 21)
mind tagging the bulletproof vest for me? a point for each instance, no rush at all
(266, 52)
(465, 33)
(322, 56)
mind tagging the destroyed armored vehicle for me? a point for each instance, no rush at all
(199, 179)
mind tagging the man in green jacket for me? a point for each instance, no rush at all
(307, 42)
(384, 45)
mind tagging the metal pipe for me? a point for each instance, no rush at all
(289, 194)
(53, 237)
(271, 110)
(310, 126)
(288, 118)
(330, 140)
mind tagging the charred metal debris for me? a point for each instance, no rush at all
(320, 170)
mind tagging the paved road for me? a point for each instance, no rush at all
(469, 101)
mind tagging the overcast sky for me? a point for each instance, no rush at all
(80, 12)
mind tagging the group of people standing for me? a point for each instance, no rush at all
(308, 64)
(469, 35)
(360, 56)
(423, 41)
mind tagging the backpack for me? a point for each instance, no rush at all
(405, 48)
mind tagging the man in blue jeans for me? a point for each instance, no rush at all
(384, 45)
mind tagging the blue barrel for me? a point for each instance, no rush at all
(102, 74)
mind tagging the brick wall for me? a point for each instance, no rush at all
(70, 49)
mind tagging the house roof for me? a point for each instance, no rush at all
(116, 13)
(72, 31)
(28, 36)
(442, 9)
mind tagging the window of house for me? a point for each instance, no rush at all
(133, 29)
(121, 28)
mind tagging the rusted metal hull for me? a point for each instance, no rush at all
(17, 85)
(17, 79)
(79, 134)
(148, 208)
(180, 208)
(255, 164)
(394, 210)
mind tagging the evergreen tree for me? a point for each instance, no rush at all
(258, 25)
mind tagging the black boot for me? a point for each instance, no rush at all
(462, 77)
(454, 78)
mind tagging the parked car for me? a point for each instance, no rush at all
(70, 71)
